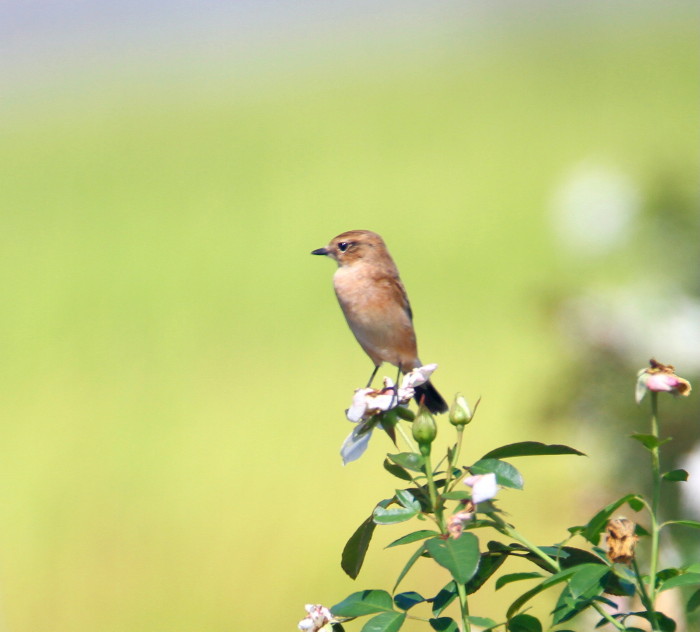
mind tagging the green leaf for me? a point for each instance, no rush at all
(488, 564)
(460, 557)
(444, 598)
(666, 624)
(524, 623)
(675, 475)
(596, 525)
(413, 537)
(444, 624)
(514, 577)
(396, 470)
(530, 448)
(694, 602)
(411, 561)
(547, 583)
(364, 602)
(684, 523)
(458, 495)
(356, 548)
(587, 579)
(407, 500)
(650, 441)
(385, 622)
(393, 515)
(686, 579)
(482, 622)
(506, 474)
(408, 460)
(407, 600)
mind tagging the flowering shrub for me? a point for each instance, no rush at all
(457, 501)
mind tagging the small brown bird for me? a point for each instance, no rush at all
(376, 307)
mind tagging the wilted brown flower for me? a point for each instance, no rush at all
(660, 378)
(621, 540)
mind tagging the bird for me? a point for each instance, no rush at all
(376, 307)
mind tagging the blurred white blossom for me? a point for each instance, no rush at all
(593, 209)
(317, 618)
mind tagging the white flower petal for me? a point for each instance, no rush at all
(418, 376)
(484, 487)
(355, 445)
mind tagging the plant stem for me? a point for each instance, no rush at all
(608, 617)
(455, 458)
(655, 498)
(432, 491)
(463, 606)
(406, 438)
(506, 529)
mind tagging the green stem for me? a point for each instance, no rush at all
(455, 458)
(432, 490)
(608, 617)
(406, 438)
(463, 606)
(655, 500)
(506, 529)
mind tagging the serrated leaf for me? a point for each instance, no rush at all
(408, 460)
(444, 624)
(506, 474)
(596, 525)
(444, 598)
(411, 561)
(503, 580)
(413, 537)
(460, 557)
(530, 448)
(396, 470)
(649, 441)
(385, 622)
(356, 548)
(524, 623)
(407, 600)
(675, 476)
(686, 579)
(364, 602)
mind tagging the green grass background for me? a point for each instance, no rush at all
(174, 365)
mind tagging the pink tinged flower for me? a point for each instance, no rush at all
(484, 487)
(660, 378)
(455, 525)
(317, 616)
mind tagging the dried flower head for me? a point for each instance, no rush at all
(660, 378)
(621, 540)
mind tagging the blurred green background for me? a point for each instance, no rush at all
(174, 364)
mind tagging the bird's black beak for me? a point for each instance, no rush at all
(320, 251)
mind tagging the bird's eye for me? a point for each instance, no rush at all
(343, 246)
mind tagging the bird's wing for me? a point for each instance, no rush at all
(399, 292)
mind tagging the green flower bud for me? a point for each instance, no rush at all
(424, 428)
(405, 413)
(460, 415)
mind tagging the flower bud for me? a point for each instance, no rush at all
(405, 413)
(424, 428)
(460, 415)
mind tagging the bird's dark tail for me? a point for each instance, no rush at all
(431, 398)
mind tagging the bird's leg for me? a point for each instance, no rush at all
(371, 377)
(395, 399)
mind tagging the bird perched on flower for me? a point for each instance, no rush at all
(376, 307)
